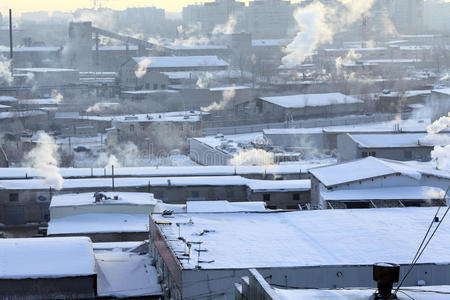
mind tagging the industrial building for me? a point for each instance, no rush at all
(28, 200)
(294, 107)
(374, 182)
(103, 217)
(49, 268)
(397, 146)
(203, 255)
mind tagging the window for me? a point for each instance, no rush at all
(354, 205)
(131, 128)
(407, 154)
(296, 197)
(230, 193)
(163, 86)
(14, 197)
(365, 154)
(155, 86)
(142, 127)
(374, 154)
(266, 197)
(147, 86)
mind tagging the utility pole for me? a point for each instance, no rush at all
(11, 42)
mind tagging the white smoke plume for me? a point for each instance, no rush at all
(254, 157)
(142, 67)
(112, 161)
(227, 28)
(57, 96)
(190, 35)
(434, 193)
(204, 80)
(44, 157)
(445, 77)
(318, 24)
(441, 153)
(125, 154)
(351, 57)
(102, 106)
(227, 96)
(5, 72)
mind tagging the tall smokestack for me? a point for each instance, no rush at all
(11, 41)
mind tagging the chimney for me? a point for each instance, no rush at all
(385, 274)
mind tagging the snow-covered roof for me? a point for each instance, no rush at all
(21, 114)
(116, 48)
(44, 70)
(46, 258)
(85, 199)
(149, 92)
(47, 101)
(197, 47)
(4, 106)
(88, 199)
(126, 274)
(224, 206)
(176, 116)
(411, 125)
(416, 293)
(228, 88)
(31, 49)
(270, 43)
(362, 169)
(397, 140)
(311, 100)
(156, 62)
(163, 171)
(98, 223)
(279, 185)
(8, 99)
(306, 238)
(445, 91)
(385, 193)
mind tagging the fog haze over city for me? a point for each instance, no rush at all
(224, 149)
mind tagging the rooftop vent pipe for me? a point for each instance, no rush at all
(385, 274)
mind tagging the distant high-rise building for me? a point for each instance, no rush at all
(407, 15)
(270, 18)
(212, 14)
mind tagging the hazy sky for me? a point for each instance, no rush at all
(68, 5)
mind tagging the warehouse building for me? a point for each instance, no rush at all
(203, 255)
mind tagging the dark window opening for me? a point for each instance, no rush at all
(266, 197)
(14, 197)
(357, 205)
(296, 197)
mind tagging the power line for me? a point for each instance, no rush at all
(424, 245)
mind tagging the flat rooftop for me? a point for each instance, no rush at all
(311, 100)
(88, 199)
(304, 239)
(399, 140)
(46, 258)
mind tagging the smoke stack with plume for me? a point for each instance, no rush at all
(441, 154)
(142, 68)
(318, 24)
(204, 80)
(43, 157)
(254, 157)
(5, 72)
(112, 161)
(227, 96)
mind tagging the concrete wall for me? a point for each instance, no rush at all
(206, 155)
(282, 200)
(49, 288)
(109, 237)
